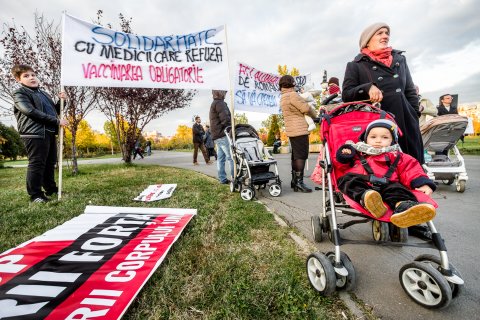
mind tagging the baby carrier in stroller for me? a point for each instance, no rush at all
(331, 271)
(440, 136)
(252, 163)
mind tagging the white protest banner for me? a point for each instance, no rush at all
(92, 266)
(96, 56)
(258, 91)
(156, 192)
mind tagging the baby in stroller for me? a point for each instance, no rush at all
(377, 174)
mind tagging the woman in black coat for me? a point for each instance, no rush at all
(380, 74)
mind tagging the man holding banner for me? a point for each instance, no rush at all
(220, 119)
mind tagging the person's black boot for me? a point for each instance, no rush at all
(292, 183)
(299, 185)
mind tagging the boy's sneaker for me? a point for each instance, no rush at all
(373, 202)
(39, 200)
(410, 213)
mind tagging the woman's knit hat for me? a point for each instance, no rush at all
(369, 31)
(381, 123)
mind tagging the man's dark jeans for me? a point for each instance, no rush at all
(42, 156)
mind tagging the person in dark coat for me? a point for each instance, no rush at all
(137, 149)
(380, 74)
(209, 143)
(198, 136)
(37, 123)
(445, 105)
(220, 119)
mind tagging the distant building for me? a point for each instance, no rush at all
(471, 110)
(154, 135)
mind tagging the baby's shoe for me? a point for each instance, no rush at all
(410, 213)
(373, 202)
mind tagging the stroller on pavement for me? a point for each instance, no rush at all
(429, 280)
(440, 136)
(252, 163)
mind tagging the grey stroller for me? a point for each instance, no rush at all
(252, 163)
(440, 136)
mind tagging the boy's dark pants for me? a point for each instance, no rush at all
(354, 185)
(42, 156)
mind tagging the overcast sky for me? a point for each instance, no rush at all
(441, 38)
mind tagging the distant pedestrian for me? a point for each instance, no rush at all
(148, 148)
(137, 149)
(277, 144)
(220, 119)
(198, 135)
(209, 143)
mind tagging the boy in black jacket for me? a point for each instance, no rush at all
(37, 123)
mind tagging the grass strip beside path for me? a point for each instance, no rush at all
(232, 261)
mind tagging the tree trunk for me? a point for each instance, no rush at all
(74, 152)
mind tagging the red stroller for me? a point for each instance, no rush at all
(430, 281)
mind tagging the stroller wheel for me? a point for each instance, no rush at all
(344, 282)
(380, 230)
(233, 184)
(321, 274)
(247, 193)
(425, 285)
(317, 228)
(448, 181)
(275, 189)
(461, 186)
(398, 234)
(435, 262)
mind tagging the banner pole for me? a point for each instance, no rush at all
(231, 88)
(60, 149)
(62, 103)
(232, 109)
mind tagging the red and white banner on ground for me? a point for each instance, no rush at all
(90, 267)
(156, 192)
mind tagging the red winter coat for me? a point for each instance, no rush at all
(409, 172)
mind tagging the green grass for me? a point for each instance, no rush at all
(471, 145)
(232, 262)
(25, 160)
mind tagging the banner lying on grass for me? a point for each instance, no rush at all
(258, 91)
(90, 267)
(156, 192)
(96, 56)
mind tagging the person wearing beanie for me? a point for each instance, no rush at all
(379, 176)
(380, 74)
(294, 109)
